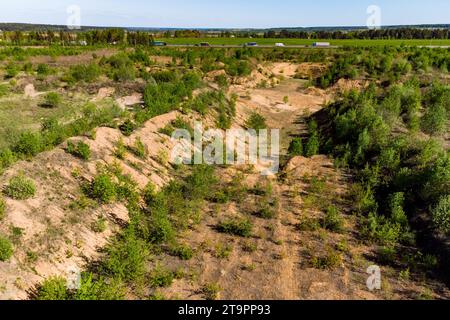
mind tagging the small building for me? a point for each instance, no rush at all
(321, 44)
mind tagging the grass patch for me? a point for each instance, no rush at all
(80, 150)
(20, 188)
(238, 227)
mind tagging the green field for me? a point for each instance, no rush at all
(292, 42)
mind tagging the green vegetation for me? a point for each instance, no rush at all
(239, 227)
(6, 249)
(52, 100)
(20, 188)
(441, 214)
(333, 220)
(256, 122)
(296, 147)
(80, 150)
(2, 208)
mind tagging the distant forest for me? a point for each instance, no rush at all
(18, 33)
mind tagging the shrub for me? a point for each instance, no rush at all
(121, 150)
(6, 249)
(308, 224)
(161, 277)
(381, 230)
(43, 69)
(441, 215)
(124, 73)
(198, 185)
(52, 100)
(398, 215)
(92, 290)
(81, 150)
(211, 291)
(102, 188)
(11, 71)
(99, 226)
(256, 122)
(238, 227)
(54, 288)
(312, 147)
(223, 251)
(434, 121)
(267, 212)
(184, 252)
(333, 220)
(331, 260)
(126, 257)
(2, 208)
(222, 81)
(296, 147)
(29, 144)
(139, 149)
(127, 127)
(87, 73)
(20, 188)
(149, 193)
(4, 89)
(160, 227)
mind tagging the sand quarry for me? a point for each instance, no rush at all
(62, 238)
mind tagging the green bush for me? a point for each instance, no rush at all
(267, 212)
(149, 193)
(184, 252)
(333, 220)
(239, 227)
(103, 188)
(139, 149)
(52, 100)
(127, 128)
(29, 144)
(211, 291)
(6, 249)
(100, 289)
(256, 122)
(161, 277)
(43, 69)
(296, 147)
(87, 73)
(2, 209)
(330, 261)
(161, 228)
(54, 288)
(121, 150)
(434, 121)
(124, 73)
(127, 257)
(313, 145)
(11, 71)
(20, 188)
(441, 214)
(4, 90)
(80, 150)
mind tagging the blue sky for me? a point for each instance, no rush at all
(226, 13)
